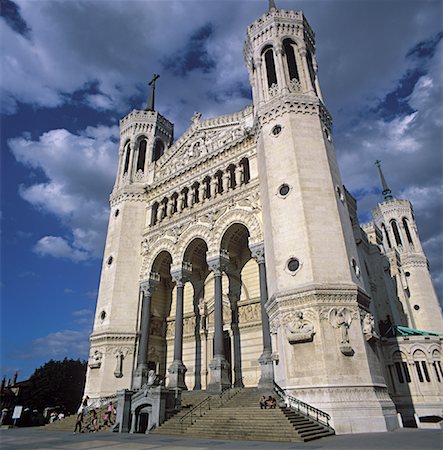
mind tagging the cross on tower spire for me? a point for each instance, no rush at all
(386, 191)
(152, 92)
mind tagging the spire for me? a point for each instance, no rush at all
(386, 191)
(152, 93)
(272, 5)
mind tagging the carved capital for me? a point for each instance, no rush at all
(218, 264)
(258, 252)
(148, 286)
(181, 276)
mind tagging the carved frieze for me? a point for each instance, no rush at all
(299, 329)
(95, 360)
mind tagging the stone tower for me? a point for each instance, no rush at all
(144, 135)
(316, 296)
(408, 264)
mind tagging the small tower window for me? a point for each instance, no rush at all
(311, 70)
(127, 157)
(159, 149)
(141, 156)
(385, 232)
(406, 227)
(396, 232)
(270, 66)
(290, 59)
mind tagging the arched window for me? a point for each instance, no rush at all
(437, 365)
(270, 66)
(127, 157)
(311, 70)
(385, 232)
(141, 155)
(207, 184)
(397, 237)
(290, 59)
(232, 180)
(401, 367)
(159, 149)
(406, 227)
(219, 176)
(246, 174)
(154, 213)
(420, 366)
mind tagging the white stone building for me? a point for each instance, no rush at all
(234, 257)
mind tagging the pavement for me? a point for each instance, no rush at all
(39, 439)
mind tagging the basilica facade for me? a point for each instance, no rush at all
(234, 257)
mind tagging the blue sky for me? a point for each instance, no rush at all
(71, 69)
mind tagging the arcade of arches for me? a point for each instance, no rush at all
(202, 326)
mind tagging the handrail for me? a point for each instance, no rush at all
(206, 404)
(295, 404)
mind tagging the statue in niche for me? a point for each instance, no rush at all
(369, 327)
(118, 372)
(342, 318)
(95, 360)
(300, 330)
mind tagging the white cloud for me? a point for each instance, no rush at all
(66, 343)
(59, 248)
(79, 171)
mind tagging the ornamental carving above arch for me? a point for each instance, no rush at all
(148, 259)
(246, 218)
(197, 231)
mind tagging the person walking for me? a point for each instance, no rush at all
(79, 423)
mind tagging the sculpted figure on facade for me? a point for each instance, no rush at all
(300, 330)
(341, 318)
(369, 327)
(95, 360)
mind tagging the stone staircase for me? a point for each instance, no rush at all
(68, 423)
(241, 418)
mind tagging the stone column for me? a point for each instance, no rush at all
(258, 69)
(201, 192)
(219, 366)
(317, 84)
(177, 369)
(226, 179)
(281, 79)
(147, 287)
(131, 160)
(214, 186)
(265, 360)
(239, 174)
(307, 77)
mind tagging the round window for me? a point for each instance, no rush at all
(293, 264)
(276, 130)
(407, 274)
(284, 190)
(102, 315)
(416, 307)
(110, 259)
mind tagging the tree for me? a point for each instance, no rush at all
(57, 383)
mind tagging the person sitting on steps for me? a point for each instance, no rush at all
(262, 402)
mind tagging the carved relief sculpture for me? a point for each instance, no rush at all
(95, 360)
(300, 330)
(342, 318)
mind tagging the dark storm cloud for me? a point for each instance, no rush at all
(10, 12)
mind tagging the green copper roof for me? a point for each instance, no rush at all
(397, 330)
